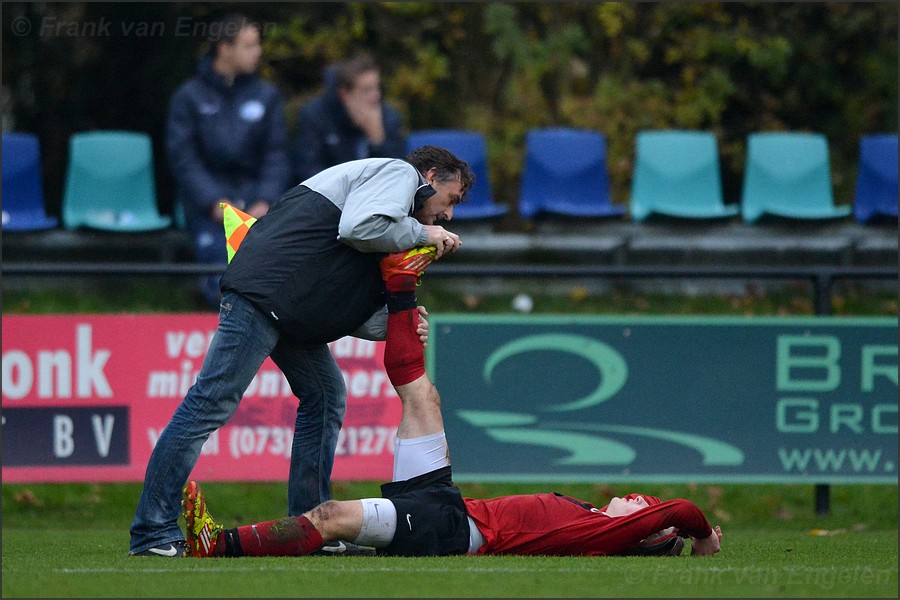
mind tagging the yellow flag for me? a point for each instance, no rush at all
(237, 224)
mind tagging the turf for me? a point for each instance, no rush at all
(71, 541)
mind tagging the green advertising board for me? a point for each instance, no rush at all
(668, 399)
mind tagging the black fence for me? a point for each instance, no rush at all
(821, 277)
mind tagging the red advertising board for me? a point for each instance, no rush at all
(86, 396)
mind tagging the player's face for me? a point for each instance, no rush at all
(619, 507)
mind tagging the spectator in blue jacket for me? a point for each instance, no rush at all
(226, 140)
(349, 121)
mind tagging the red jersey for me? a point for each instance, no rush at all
(552, 524)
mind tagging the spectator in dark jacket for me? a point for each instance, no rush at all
(349, 121)
(226, 140)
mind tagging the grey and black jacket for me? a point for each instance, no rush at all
(311, 263)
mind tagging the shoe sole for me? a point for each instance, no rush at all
(419, 261)
(188, 504)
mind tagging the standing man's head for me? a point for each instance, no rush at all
(234, 44)
(450, 177)
(358, 80)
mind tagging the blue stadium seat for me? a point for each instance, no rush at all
(876, 182)
(471, 147)
(23, 189)
(109, 183)
(677, 174)
(788, 175)
(565, 173)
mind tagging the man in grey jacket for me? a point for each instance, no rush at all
(306, 274)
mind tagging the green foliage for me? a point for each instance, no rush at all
(502, 68)
(499, 68)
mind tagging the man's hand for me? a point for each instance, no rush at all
(422, 328)
(217, 213)
(707, 546)
(445, 241)
(258, 208)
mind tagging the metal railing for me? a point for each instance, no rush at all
(821, 277)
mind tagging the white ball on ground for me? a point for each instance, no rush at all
(522, 303)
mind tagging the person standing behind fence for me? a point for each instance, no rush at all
(349, 121)
(226, 140)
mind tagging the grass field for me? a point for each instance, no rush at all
(72, 541)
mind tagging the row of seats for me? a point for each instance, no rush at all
(110, 186)
(677, 174)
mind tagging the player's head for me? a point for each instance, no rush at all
(620, 507)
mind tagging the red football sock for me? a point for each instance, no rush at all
(401, 283)
(291, 536)
(404, 356)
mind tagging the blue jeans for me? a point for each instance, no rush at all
(243, 340)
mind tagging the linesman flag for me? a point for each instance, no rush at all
(237, 224)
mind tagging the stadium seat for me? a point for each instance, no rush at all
(23, 189)
(788, 175)
(565, 173)
(109, 183)
(677, 174)
(876, 181)
(471, 147)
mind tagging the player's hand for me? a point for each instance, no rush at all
(422, 327)
(707, 546)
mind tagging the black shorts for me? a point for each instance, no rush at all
(431, 516)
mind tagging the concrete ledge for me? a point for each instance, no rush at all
(604, 242)
(168, 245)
(629, 243)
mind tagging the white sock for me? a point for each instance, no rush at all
(417, 456)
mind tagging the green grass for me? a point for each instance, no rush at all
(759, 563)
(71, 541)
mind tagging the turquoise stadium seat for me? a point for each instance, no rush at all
(788, 175)
(677, 174)
(472, 148)
(565, 173)
(876, 181)
(109, 183)
(23, 189)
